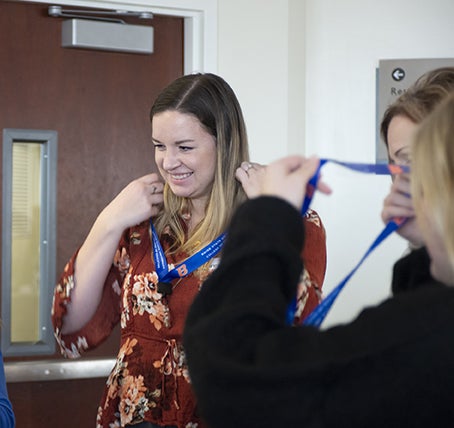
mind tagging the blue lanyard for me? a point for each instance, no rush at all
(368, 168)
(182, 269)
(317, 316)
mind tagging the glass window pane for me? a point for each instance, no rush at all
(25, 245)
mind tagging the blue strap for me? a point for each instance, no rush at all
(368, 168)
(317, 316)
(189, 265)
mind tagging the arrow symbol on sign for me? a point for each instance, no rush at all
(398, 74)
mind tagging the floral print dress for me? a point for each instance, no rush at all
(150, 380)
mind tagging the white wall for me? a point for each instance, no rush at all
(277, 53)
(253, 58)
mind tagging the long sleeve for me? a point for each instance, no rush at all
(392, 366)
(7, 419)
(100, 326)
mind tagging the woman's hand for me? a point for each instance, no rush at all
(398, 204)
(138, 201)
(286, 178)
(250, 175)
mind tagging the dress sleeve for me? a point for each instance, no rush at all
(7, 419)
(106, 317)
(309, 292)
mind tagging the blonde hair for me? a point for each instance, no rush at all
(212, 101)
(432, 176)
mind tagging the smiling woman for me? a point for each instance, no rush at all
(152, 247)
(120, 272)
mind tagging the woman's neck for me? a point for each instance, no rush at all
(196, 215)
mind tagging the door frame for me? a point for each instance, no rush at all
(200, 24)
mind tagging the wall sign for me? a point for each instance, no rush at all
(393, 77)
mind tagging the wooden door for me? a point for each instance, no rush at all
(99, 103)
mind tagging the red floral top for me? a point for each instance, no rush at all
(150, 379)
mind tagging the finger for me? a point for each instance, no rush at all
(158, 187)
(324, 188)
(398, 200)
(405, 176)
(150, 178)
(246, 166)
(291, 163)
(394, 211)
(241, 175)
(401, 185)
(309, 167)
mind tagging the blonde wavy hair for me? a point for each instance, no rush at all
(212, 101)
(432, 176)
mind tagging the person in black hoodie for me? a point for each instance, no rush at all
(392, 366)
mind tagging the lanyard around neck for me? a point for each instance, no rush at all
(182, 269)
